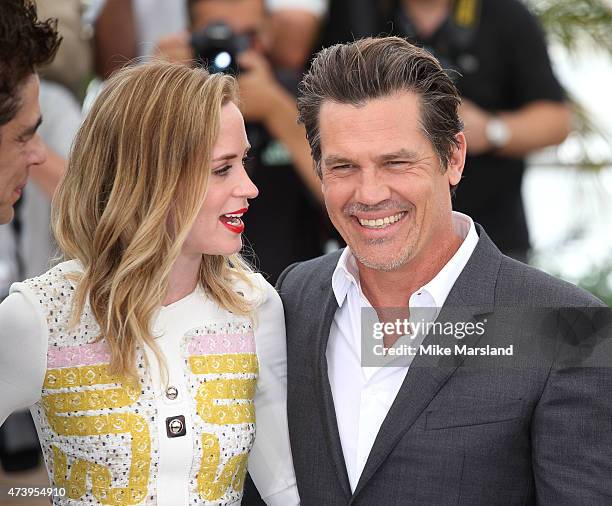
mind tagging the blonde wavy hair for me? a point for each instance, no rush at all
(136, 179)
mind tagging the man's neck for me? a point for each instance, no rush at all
(427, 15)
(394, 288)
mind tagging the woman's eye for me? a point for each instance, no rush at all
(223, 171)
(246, 161)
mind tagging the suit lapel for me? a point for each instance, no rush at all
(327, 409)
(428, 374)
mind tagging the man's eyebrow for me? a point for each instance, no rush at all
(402, 154)
(336, 160)
(30, 131)
(231, 156)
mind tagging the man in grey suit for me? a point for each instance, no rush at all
(381, 119)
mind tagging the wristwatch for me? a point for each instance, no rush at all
(497, 132)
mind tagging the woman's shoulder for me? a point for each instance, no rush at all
(57, 275)
(50, 290)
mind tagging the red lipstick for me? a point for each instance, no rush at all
(232, 220)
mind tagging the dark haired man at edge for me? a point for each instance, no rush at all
(25, 43)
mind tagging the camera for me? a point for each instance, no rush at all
(216, 47)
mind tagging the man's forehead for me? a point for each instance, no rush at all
(389, 114)
(29, 100)
(379, 129)
(28, 114)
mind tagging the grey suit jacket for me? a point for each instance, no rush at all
(455, 434)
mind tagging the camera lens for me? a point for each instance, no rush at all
(215, 47)
(222, 61)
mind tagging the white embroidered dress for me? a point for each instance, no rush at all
(107, 440)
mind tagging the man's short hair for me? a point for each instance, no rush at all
(370, 68)
(25, 43)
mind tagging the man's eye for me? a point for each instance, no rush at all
(223, 171)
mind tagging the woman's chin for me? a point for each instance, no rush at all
(225, 250)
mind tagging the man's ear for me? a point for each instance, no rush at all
(456, 161)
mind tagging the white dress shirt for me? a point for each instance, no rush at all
(364, 395)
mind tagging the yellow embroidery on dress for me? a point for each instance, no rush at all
(88, 375)
(125, 394)
(233, 473)
(75, 485)
(222, 389)
(212, 486)
(232, 363)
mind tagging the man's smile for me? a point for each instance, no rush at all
(381, 225)
(384, 222)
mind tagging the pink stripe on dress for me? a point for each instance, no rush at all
(215, 344)
(73, 356)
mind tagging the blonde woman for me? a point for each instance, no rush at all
(149, 354)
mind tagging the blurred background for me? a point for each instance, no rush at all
(551, 207)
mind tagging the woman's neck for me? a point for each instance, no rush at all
(183, 278)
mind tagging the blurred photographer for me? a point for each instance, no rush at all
(127, 29)
(285, 223)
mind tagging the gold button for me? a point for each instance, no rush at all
(172, 393)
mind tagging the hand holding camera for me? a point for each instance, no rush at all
(219, 49)
(259, 90)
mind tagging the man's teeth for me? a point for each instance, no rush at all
(381, 222)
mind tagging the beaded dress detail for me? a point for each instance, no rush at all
(99, 433)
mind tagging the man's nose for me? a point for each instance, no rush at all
(37, 153)
(371, 188)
